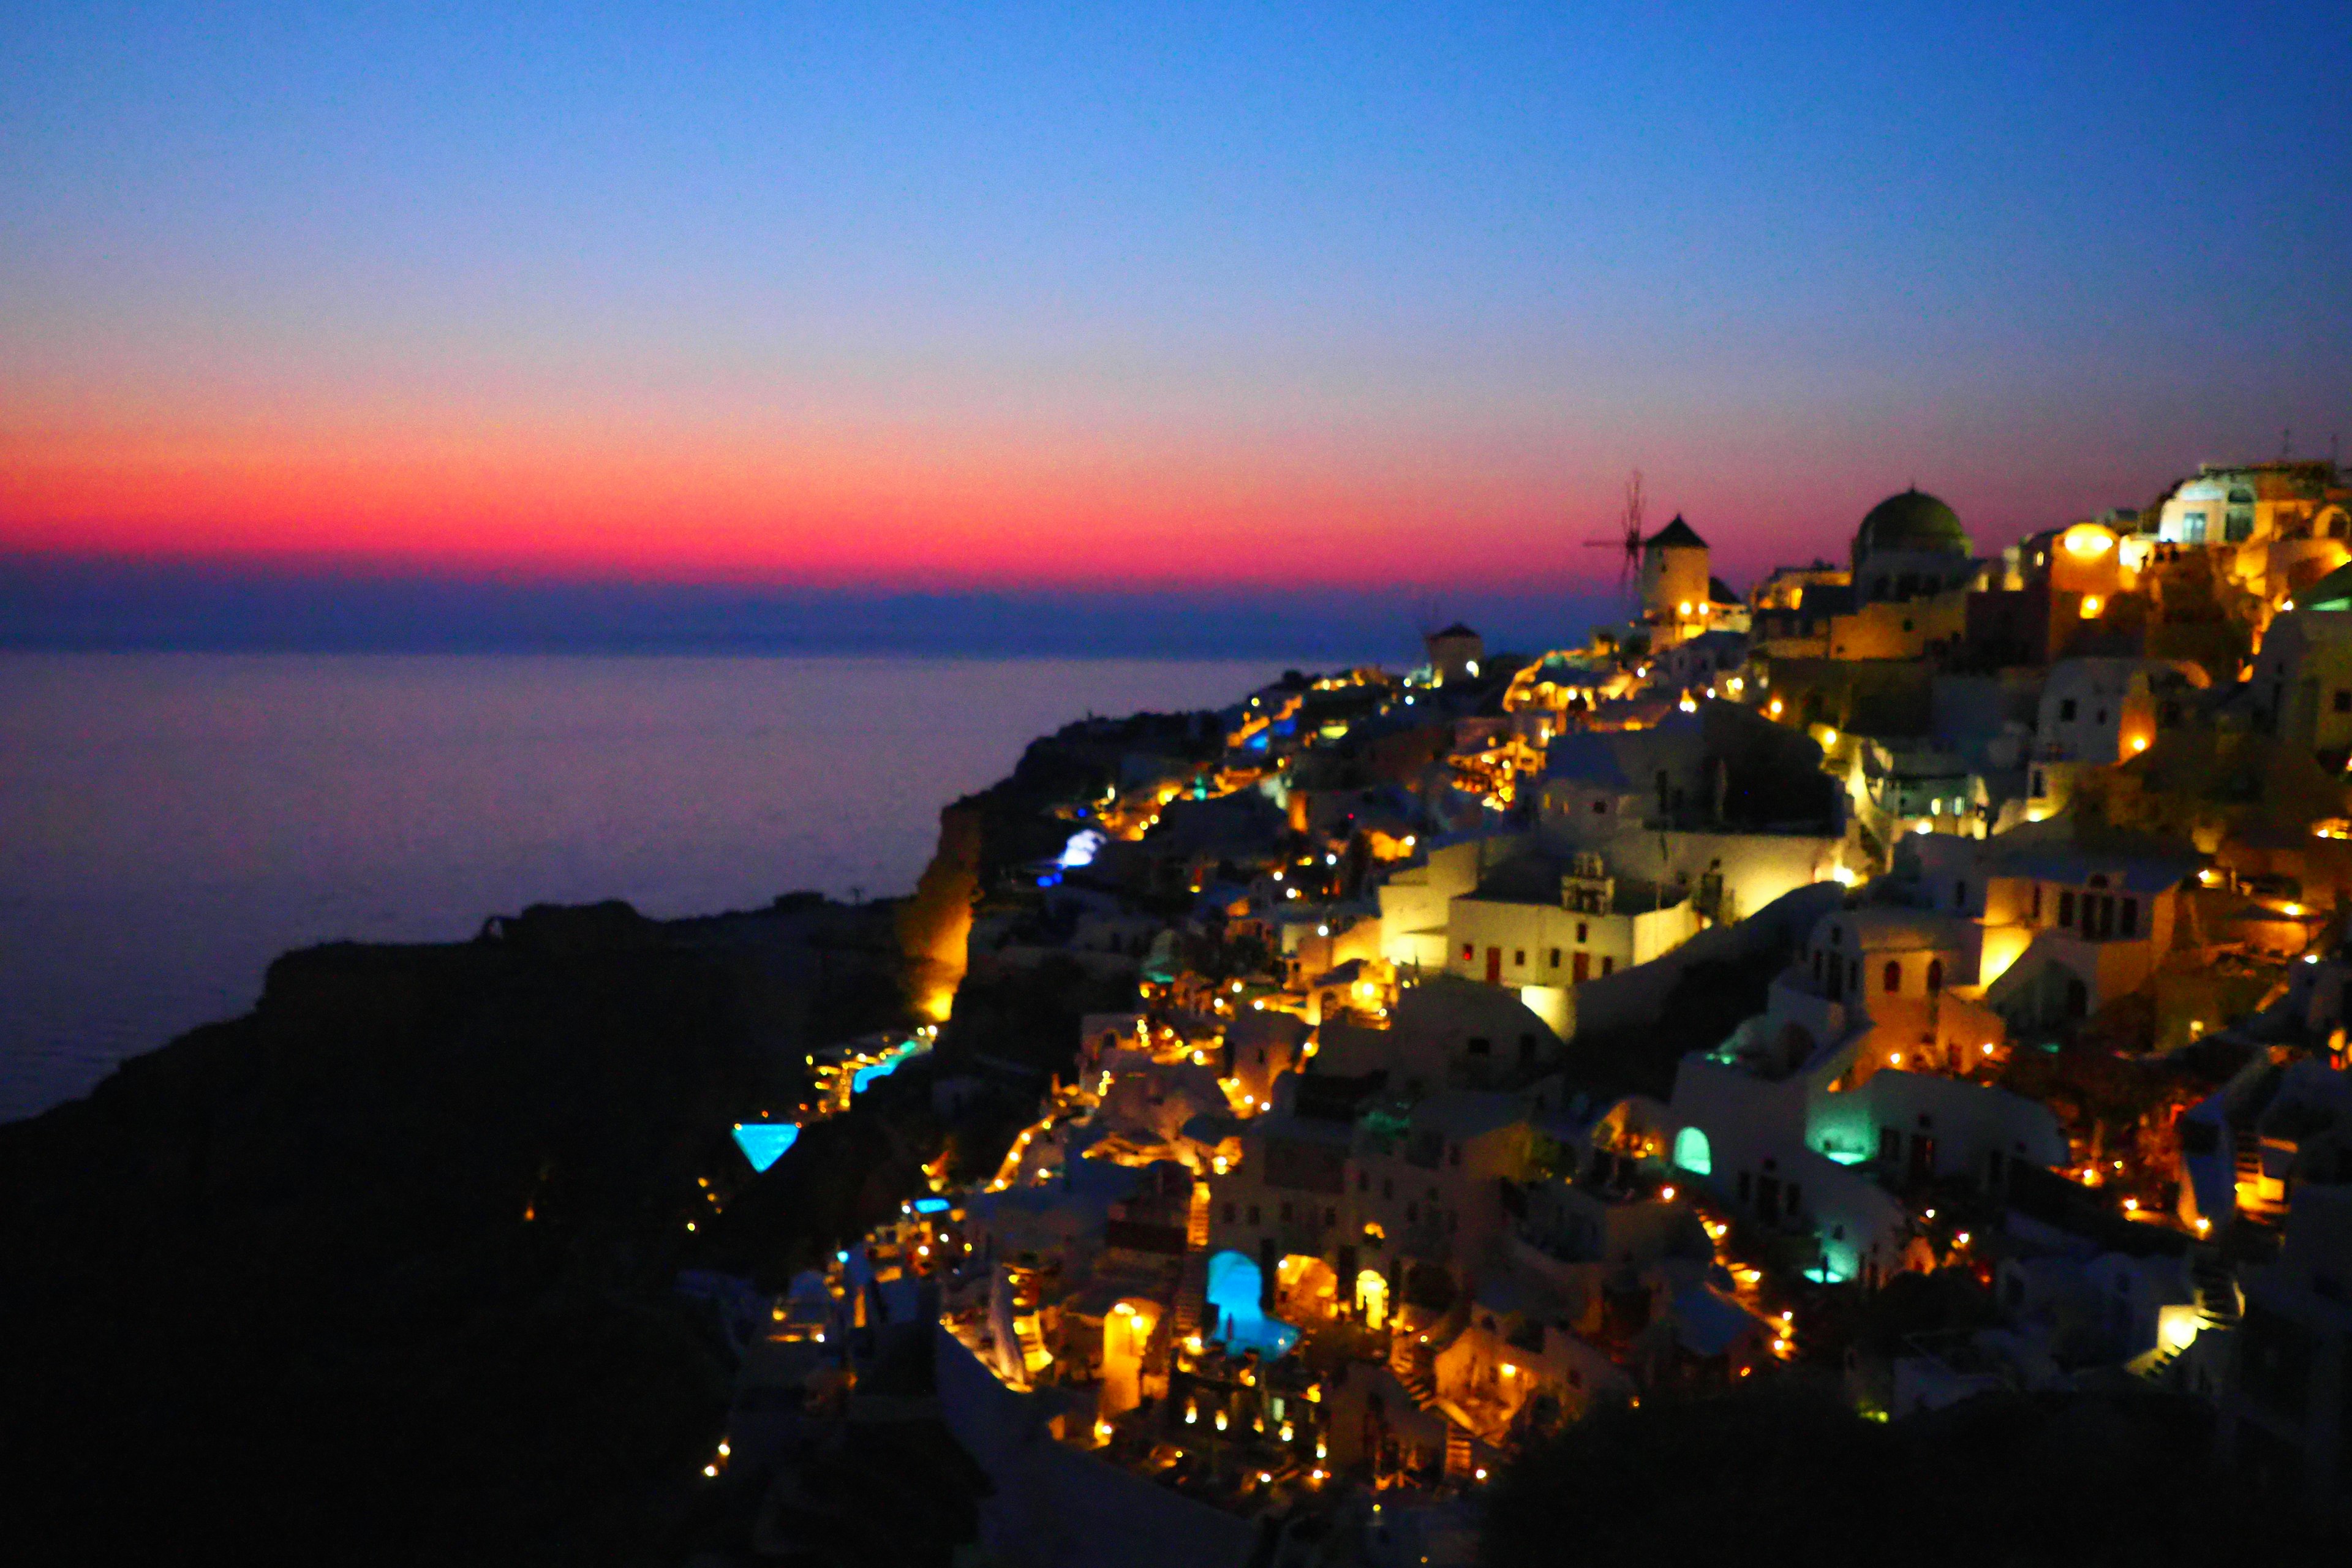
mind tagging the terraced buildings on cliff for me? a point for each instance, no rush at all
(1532, 1032)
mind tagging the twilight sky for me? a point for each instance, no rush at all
(984, 297)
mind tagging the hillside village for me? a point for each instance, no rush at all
(1920, 975)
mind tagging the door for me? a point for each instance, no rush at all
(1923, 1158)
(1493, 966)
(1584, 966)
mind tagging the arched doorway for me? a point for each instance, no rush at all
(1372, 1298)
(1693, 1154)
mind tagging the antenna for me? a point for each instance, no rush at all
(1629, 566)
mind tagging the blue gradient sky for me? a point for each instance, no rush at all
(1163, 299)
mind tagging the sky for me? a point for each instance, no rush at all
(1126, 305)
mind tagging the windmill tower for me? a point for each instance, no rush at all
(1629, 542)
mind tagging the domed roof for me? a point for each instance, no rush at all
(1913, 520)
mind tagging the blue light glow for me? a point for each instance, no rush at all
(1233, 1283)
(764, 1142)
(930, 1205)
(863, 1078)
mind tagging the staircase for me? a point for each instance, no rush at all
(1192, 1286)
(1457, 1452)
(1192, 1293)
(2217, 1289)
(2246, 1143)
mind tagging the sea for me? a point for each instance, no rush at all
(170, 823)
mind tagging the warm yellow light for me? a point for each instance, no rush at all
(1667, 1194)
(1895, 1058)
(2139, 743)
(2089, 541)
(1683, 608)
(2090, 607)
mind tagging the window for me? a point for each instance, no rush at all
(2066, 907)
(1600, 808)
(1285, 1211)
(1453, 1155)
(2037, 903)
(1518, 958)
(1479, 1045)
(1330, 1217)
(2041, 784)
(2343, 699)
(1469, 952)
(1583, 932)
(1253, 1215)
(1229, 1211)
(1607, 964)
(2129, 921)
(1893, 976)
(1555, 959)
(1935, 976)
(1961, 897)
(2066, 710)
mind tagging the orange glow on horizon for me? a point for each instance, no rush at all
(915, 507)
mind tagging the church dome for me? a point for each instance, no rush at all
(1913, 521)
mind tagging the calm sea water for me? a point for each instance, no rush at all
(170, 822)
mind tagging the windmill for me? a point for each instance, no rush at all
(1629, 567)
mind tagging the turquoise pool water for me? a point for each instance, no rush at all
(764, 1142)
(1234, 1282)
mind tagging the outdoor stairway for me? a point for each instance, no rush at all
(1457, 1450)
(1192, 1293)
(1196, 1224)
(2217, 1289)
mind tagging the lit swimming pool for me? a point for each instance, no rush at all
(1232, 1293)
(764, 1142)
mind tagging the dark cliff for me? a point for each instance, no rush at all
(385, 1270)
